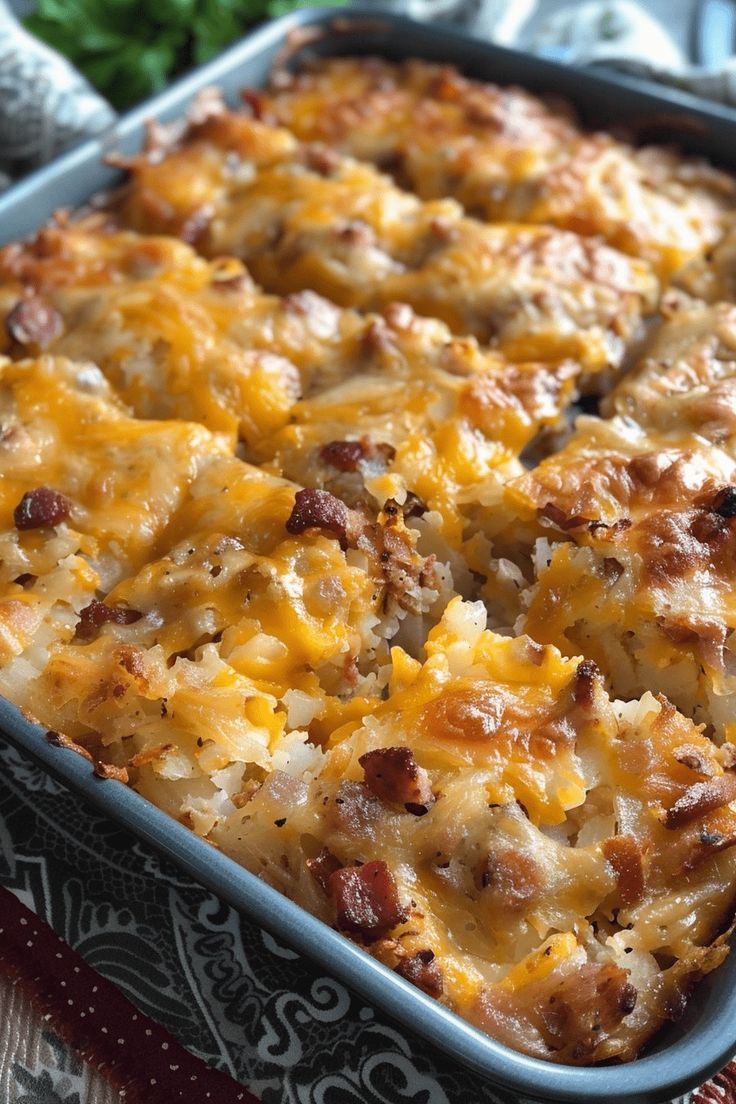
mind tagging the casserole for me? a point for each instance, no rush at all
(546, 1078)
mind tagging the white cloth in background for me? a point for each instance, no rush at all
(622, 34)
(47, 106)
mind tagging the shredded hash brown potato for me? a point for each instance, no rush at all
(300, 535)
(504, 155)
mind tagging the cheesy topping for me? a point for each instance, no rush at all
(504, 154)
(635, 562)
(250, 540)
(345, 230)
(686, 381)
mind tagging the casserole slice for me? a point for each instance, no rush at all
(304, 217)
(554, 866)
(86, 493)
(686, 382)
(504, 154)
(633, 560)
(265, 614)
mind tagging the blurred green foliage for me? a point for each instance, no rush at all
(131, 48)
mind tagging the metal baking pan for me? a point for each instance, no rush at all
(682, 1055)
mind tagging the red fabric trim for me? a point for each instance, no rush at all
(721, 1090)
(139, 1057)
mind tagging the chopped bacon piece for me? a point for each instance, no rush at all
(422, 970)
(318, 510)
(591, 1001)
(586, 677)
(367, 900)
(322, 159)
(109, 770)
(97, 614)
(724, 502)
(624, 855)
(559, 518)
(347, 455)
(257, 101)
(701, 798)
(322, 867)
(510, 878)
(42, 506)
(343, 455)
(34, 322)
(393, 774)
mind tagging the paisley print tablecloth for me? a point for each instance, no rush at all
(227, 991)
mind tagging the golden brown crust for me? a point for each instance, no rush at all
(290, 666)
(507, 155)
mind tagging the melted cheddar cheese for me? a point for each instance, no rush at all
(530, 873)
(251, 535)
(635, 562)
(686, 379)
(348, 232)
(504, 154)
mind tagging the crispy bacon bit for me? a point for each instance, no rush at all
(97, 614)
(34, 322)
(355, 232)
(347, 455)
(413, 506)
(700, 799)
(318, 510)
(322, 159)
(40, 507)
(624, 855)
(343, 455)
(588, 1003)
(724, 502)
(394, 775)
(109, 770)
(367, 900)
(510, 878)
(559, 518)
(257, 101)
(586, 677)
(402, 568)
(58, 739)
(422, 970)
(323, 867)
